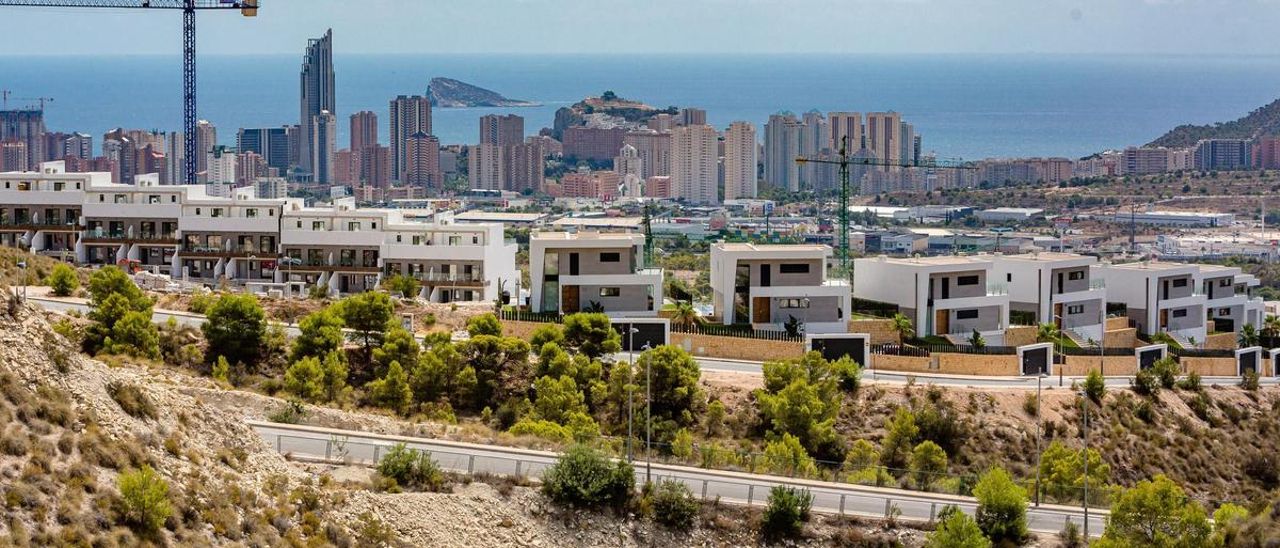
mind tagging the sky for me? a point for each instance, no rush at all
(669, 26)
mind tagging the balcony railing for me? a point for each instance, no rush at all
(163, 237)
(451, 278)
(222, 250)
(997, 289)
(1097, 284)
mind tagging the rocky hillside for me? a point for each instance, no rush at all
(450, 93)
(1263, 121)
(71, 427)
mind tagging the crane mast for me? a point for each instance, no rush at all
(248, 8)
(843, 160)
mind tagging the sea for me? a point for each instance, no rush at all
(964, 106)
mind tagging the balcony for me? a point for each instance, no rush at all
(231, 251)
(436, 279)
(119, 237)
(29, 224)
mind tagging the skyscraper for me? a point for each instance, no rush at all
(695, 164)
(884, 137)
(422, 153)
(484, 166)
(501, 130)
(408, 115)
(781, 147)
(272, 144)
(206, 139)
(815, 138)
(654, 150)
(907, 146)
(13, 156)
(324, 138)
(525, 165)
(845, 124)
(175, 157)
(364, 135)
(693, 117)
(740, 159)
(318, 95)
(26, 125)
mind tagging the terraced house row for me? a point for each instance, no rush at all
(181, 231)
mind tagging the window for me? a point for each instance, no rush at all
(353, 226)
(1077, 275)
(1225, 282)
(251, 213)
(967, 280)
(793, 268)
(173, 199)
(1180, 313)
(153, 199)
(1180, 282)
(610, 257)
(1224, 311)
(215, 212)
(373, 225)
(1075, 309)
(317, 225)
(58, 185)
(299, 223)
(24, 186)
(197, 211)
(399, 238)
(1008, 277)
(967, 314)
(611, 292)
(793, 303)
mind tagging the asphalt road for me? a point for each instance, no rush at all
(732, 487)
(730, 366)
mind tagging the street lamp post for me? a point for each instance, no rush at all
(631, 401)
(23, 266)
(1039, 452)
(648, 420)
(1085, 405)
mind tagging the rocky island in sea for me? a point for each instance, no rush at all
(450, 93)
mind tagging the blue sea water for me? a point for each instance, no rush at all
(966, 106)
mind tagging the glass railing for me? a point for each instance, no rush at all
(997, 290)
(1097, 284)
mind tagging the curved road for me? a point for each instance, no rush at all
(315, 443)
(65, 305)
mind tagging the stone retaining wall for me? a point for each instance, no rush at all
(1021, 335)
(1121, 338)
(881, 331)
(1079, 366)
(1220, 341)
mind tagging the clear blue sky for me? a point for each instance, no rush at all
(663, 26)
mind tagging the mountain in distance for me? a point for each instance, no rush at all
(450, 93)
(1262, 121)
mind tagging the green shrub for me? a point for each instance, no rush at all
(144, 499)
(1249, 381)
(132, 399)
(1146, 383)
(411, 468)
(405, 285)
(928, 461)
(673, 504)
(1191, 382)
(785, 514)
(1166, 370)
(292, 412)
(1002, 507)
(63, 280)
(584, 478)
(956, 530)
(1095, 386)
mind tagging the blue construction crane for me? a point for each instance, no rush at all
(248, 8)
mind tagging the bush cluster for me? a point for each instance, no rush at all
(585, 478)
(411, 468)
(786, 512)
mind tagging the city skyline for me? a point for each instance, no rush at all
(971, 26)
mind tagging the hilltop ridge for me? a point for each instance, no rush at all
(1264, 120)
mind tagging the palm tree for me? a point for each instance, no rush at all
(976, 340)
(1047, 332)
(903, 327)
(685, 315)
(1271, 326)
(1248, 336)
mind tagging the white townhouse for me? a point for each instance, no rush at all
(1158, 297)
(771, 285)
(592, 271)
(1056, 288)
(1229, 305)
(949, 296)
(182, 231)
